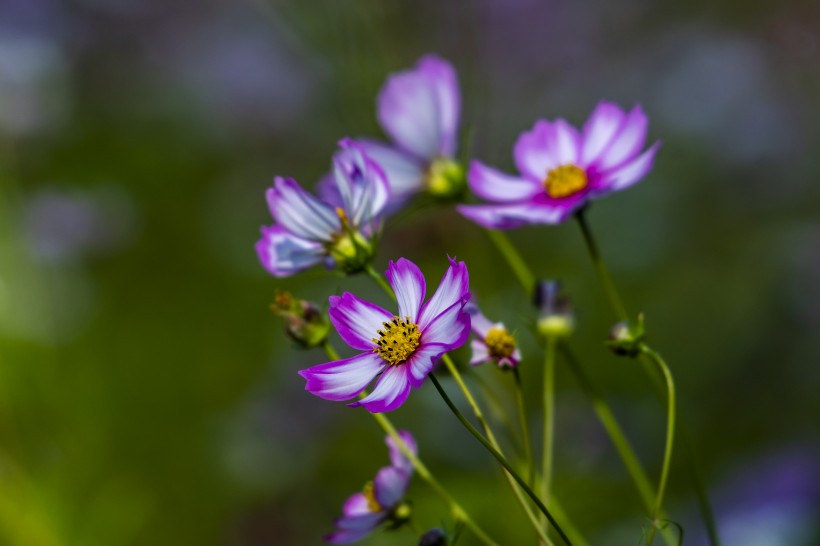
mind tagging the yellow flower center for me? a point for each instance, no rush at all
(565, 180)
(500, 344)
(372, 504)
(397, 341)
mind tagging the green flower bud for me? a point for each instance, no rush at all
(304, 322)
(445, 179)
(351, 250)
(626, 339)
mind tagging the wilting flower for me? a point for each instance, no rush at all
(401, 347)
(381, 499)
(308, 230)
(494, 342)
(419, 109)
(561, 169)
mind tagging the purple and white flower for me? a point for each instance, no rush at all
(309, 230)
(381, 499)
(400, 348)
(562, 169)
(419, 109)
(494, 342)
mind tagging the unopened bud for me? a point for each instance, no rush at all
(433, 537)
(304, 321)
(445, 179)
(555, 318)
(626, 339)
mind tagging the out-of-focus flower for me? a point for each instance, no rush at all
(555, 318)
(494, 344)
(309, 230)
(434, 537)
(401, 347)
(562, 169)
(381, 499)
(304, 322)
(419, 109)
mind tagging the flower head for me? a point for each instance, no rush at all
(562, 168)
(308, 230)
(419, 109)
(494, 342)
(380, 500)
(399, 347)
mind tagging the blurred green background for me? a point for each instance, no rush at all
(148, 395)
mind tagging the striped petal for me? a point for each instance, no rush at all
(284, 254)
(390, 392)
(494, 185)
(300, 213)
(454, 287)
(342, 379)
(409, 286)
(356, 320)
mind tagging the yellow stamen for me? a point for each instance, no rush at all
(340, 212)
(565, 180)
(397, 341)
(369, 494)
(500, 344)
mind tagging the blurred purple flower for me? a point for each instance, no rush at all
(402, 348)
(562, 169)
(419, 109)
(494, 343)
(309, 230)
(381, 499)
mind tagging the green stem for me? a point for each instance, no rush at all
(670, 436)
(525, 429)
(380, 280)
(500, 458)
(549, 418)
(514, 259)
(600, 267)
(421, 469)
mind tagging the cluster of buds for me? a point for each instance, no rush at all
(305, 323)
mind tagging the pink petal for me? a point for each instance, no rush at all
(408, 111)
(631, 172)
(409, 286)
(404, 172)
(284, 254)
(514, 215)
(480, 353)
(356, 320)
(493, 185)
(397, 457)
(627, 142)
(301, 213)
(389, 486)
(442, 78)
(566, 144)
(342, 379)
(422, 362)
(599, 130)
(533, 151)
(391, 391)
(450, 328)
(454, 287)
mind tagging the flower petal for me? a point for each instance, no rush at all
(397, 458)
(631, 172)
(599, 129)
(301, 213)
(356, 505)
(390, 485)
(362, 183)
(442, 78)
(494, 185)
(566, 143)
(356, 320)
(533, 151)
(349, 537)
(407, 110)
(421, 363)
(404, 172)
(454, 287)
(478, 322)
(391, 391)
(367, 521)
(342, 379)
(409, 286)
(627, 142)
(284, 254)
(480, 353)
(450, 328)
(514, 215)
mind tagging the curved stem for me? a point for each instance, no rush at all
(380, 280)
(421, 469)
(500, 458)
(600, 267)
(549, 418)
(514, 259)
(670, 436)
(525, 429)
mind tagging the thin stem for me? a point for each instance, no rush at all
(373, 274)
(451, 367)
(670, 436)
(600, 267)
(500, 458)
(549, 418)
(514, 259)
(525, 429)
(421, 469)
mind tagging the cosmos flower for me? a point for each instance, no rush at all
(494, 342)
(419, 109)
(562, 169)
(308, 230)
(381, 500)
(401, 348)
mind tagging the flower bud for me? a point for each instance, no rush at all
(445, 179)
(626, 339)
(555, 311)
(304, 322)
(433, 537)
(350, 250)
